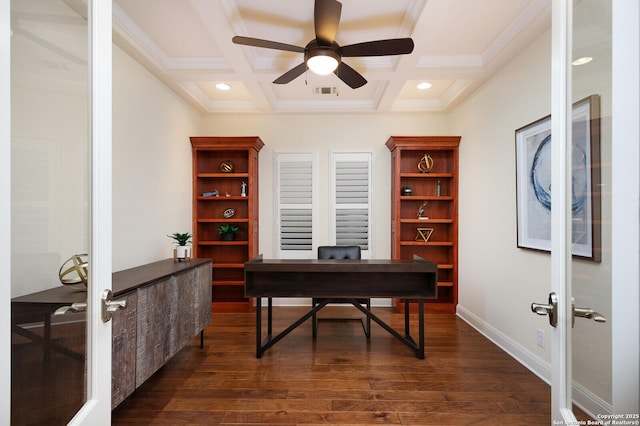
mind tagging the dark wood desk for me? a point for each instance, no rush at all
(348, 280)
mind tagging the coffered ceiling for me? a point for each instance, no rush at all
(459, 44)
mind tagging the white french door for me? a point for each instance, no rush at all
(55, 61)
(608, 287)
(97, 407)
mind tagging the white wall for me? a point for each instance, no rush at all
(498, 281)
(151, 164)
(493, 288)
(322, 133)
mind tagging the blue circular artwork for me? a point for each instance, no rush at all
(540, 176)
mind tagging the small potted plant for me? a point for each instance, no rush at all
(227, 232)
(181, 239)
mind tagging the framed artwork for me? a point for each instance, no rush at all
(533, 182)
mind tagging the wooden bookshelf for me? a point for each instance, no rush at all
(439, 220)
(228, 257)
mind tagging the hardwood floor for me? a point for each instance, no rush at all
(341, 378)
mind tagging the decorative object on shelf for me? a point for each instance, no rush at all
(425, 164)
(227, 166)
(406, 190)
(421, 210)
(74, 272)
(243, 189)
(214, 193)
(228, 213)
(424, 234)
(182, 252)
(533, 182)
(438, 189)
(228, 232)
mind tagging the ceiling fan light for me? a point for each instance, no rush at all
(322, 64)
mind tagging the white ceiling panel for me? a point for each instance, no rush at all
(458, 43)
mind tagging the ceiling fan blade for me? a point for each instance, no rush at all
(326, 19)
(351, 77)
(396, 46)
(292, 74)
(258, 42)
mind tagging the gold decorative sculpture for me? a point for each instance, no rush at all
(425, 164)
(74, 272)
(424, 234)
(227, 166)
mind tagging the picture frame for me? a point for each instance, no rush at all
(533, 182)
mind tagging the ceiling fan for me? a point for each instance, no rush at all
(323, 55)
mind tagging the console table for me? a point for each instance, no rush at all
(340, 279)
(168, 303)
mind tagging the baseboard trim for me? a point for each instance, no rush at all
(534, 363)
(583, 398)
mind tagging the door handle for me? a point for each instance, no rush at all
(586, 313)
(74, 307)
(109, 306)
(551, 309)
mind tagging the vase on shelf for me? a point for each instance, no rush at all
(228, 236)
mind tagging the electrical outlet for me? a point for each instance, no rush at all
(540, 337)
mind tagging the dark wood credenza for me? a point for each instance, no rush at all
(168, 304)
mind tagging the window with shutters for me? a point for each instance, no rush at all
(351, 196)
(296, 205)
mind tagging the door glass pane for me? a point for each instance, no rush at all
(591, 203)
(49, 207)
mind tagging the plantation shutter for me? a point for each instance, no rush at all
(295, 203)
(352, 174)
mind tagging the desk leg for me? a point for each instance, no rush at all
(270, 340)
(269, 317)
(260, 348)
(258, 327)
(421, 329)
(407, 331)
(418, 349)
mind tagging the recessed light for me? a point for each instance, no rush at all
(583, 60)
(424, 85)
(223, 86)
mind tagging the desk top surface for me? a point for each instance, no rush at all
(340, 278)
(339, 266)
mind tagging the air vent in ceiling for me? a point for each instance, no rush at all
(326, 91)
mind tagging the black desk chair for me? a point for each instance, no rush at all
(340, 253)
